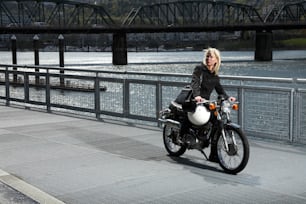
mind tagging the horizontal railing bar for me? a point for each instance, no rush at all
(111, 113)
(37, 103)
(55, 105)
(255, 78)
(146, 118)
(301, 90)
(250, 78)
(266, 88)
(300, 80)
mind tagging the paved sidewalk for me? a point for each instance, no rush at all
(51, 158)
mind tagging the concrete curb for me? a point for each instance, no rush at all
(27, 189)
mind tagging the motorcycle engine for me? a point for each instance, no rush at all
(198, 138)
(191, 141)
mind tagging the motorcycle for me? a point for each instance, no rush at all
(210, 125)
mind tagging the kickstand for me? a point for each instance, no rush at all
(203, 153)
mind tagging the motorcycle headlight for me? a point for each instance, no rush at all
(225, 107)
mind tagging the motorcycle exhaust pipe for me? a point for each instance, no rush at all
(171, 123)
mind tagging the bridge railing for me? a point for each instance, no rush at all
(272, 108)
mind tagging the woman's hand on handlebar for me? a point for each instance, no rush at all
(199, 99)
(232, 99)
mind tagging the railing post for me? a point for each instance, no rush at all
(48, 100)
(26, 88)
(97, 96)
(291, 120)
(14, 56)
(61, 58)
(241, 107)
(126, 98)
(298, 106)
(159, 101)
(7, 86)
(36, 57)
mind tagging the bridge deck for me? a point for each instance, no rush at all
(53, 158)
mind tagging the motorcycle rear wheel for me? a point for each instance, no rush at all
(236, 158)
(171, 143)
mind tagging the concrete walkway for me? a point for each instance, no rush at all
(51, 158)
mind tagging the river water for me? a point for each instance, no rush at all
(240, 63)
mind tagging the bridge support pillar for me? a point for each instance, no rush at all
(119, 49)
(263, 50)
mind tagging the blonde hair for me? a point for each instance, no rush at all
(215, 52)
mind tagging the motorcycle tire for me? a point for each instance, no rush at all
(236, 158)
(172, 147)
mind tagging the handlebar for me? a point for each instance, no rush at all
(215, 103)
(218, 101)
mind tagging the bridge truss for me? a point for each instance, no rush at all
(289, 13)
(51, 12)
(181, 13)
(65, 16)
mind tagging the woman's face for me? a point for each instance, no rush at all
(211, 61)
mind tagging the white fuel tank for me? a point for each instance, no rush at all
(200, 116)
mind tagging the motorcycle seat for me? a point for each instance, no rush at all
(177, 105)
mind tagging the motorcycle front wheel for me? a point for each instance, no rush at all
(234, 159)
(171, 142)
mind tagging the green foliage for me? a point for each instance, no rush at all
(294, 42)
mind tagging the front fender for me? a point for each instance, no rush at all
(225, 126)
(233, 125)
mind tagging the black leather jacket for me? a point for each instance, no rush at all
(209, 82)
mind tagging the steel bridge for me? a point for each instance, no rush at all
(24, 13)
(291, 13)
(210, 15)
(63, 16)
(197, 13)
(206, 15)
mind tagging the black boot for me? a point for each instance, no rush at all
(213, 157)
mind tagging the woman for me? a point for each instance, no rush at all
(205, 79)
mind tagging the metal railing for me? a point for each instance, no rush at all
(272, 108)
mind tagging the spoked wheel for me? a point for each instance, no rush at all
(171, 142)
(236, 157)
